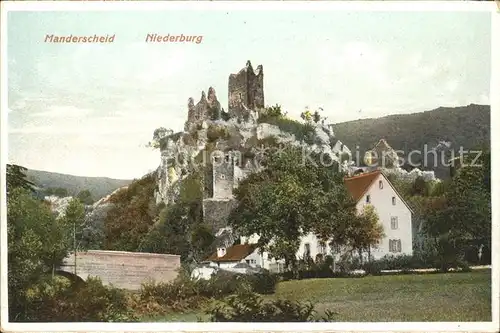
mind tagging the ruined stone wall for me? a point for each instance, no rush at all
(207, 108)
(246, 89)
(126, 270)
(256, 86)
(223, 179)
(216, 212)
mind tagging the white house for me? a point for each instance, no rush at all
(395, 216)
(394, 213)
(240, 258)
(371, 188)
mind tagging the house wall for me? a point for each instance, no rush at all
(381, 199)
(266, 262)
(204, 273)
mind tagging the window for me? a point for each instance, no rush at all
(394, 222)
(368, 198)
(380, 184)
(307, 249)
(322, 247)
(394, 245)
(394, 201)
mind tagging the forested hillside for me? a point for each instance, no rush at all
(98, 186)
(467, 126)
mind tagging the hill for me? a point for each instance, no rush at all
(444, 128)
(98, 186)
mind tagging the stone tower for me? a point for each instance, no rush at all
(223, 176)
(246, 91)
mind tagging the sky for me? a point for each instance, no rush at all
(90, 109)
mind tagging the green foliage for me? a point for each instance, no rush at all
(292, 197)
(98, 186)
(85, 197)
(185, 293)
(37, 243)
(73, 223)
(274, 111)
(57, 300)
(365, 230)
(215, 133)
(180, 229)
(464, 218)
(302, 131)
(250, 307)
(134, 211)
(16, 178)
(309, 116)
(57, 191)
(467, 126)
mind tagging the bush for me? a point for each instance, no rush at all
(181, 294)
(216, 132)
(302, 132)
(264, 283)
(250, 307)
(57, 300)
(226, 283)
(185, 293)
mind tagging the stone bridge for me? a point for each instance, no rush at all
(127, 270)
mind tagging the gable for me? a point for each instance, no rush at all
(358, 185)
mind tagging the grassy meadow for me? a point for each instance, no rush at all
(396, 298)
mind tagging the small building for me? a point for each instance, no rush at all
(240, 258)
(230, 257)
(371, 188)
(395, 215)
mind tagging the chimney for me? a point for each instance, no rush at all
(221, 252)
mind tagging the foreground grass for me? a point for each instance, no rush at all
(426, 297)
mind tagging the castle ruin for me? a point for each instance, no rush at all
(246, 91)
(245, 95)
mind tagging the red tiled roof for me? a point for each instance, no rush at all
(234, 253)
(358, 185)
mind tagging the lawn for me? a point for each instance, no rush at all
(425, 297)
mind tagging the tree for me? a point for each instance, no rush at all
(74, 220)
(180, 229)
(36, 243)
(365, 230)
(57, 191)
(85, 197)
(291, 197)
(307, 115)
(133, 213)
(16, 178)
(464, 219)
(275, 111)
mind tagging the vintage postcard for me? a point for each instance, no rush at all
(206, 166)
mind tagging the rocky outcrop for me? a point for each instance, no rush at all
(411, 175)
(226, 147)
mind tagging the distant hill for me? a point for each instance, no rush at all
(444, 128)
(98, 186)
